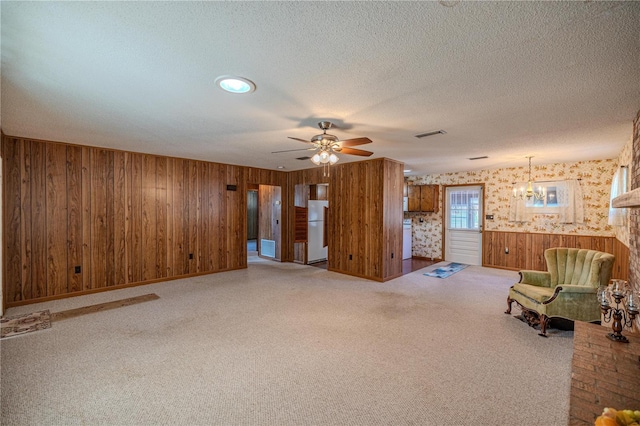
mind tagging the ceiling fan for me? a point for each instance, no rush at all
(327, 146)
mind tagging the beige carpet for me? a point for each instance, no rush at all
(287, 344)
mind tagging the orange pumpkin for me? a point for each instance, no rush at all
(605, 421)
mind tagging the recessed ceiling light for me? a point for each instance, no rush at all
(281, 167)
(233, 84)
(407, 170)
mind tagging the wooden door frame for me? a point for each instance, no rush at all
(444, 215)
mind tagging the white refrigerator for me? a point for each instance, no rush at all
(315, 250)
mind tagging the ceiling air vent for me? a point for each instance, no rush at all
(303, 158)
(435, 132)
(479, 158)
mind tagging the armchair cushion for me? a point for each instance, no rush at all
(537, 293)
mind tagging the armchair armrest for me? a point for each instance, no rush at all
(566, 288)
(538, 278)
(569, 289)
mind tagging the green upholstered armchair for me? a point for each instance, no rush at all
(567, 290)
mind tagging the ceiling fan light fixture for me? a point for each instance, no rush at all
(333, 159)
(315, 159)
(324, 157)
(233, 84)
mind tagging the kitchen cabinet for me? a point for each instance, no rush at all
(422, 198)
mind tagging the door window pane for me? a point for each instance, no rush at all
(464, 209)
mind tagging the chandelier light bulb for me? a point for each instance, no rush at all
(324, 157)
(333, 159)
(316, 159)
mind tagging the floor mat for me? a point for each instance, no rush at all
(446, 270)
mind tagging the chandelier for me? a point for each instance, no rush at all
(528, 192)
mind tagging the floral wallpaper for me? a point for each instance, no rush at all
(595, 181)
(625, 158)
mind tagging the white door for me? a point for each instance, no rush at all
(463, 224)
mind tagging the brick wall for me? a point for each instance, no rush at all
(634, 222)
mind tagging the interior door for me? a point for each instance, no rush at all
(463, 224)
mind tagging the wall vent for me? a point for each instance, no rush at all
(303, 158)
(479, 158)
(268, 248)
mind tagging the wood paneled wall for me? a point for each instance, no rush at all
(80, 219)
(365, 216)
(393, 214)
(122, 218)
(526, 250)
(365, 219)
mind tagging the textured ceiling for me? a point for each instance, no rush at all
(556, 80)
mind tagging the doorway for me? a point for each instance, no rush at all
(252, 222)
(463, 223)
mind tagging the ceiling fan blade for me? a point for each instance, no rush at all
(353, 151)
(291, 150)
(354, 142)
(298, 139)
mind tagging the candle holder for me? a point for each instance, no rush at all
(622, 316)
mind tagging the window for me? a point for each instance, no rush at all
(464, 209)
(547, 204)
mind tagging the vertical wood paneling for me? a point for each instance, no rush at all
(218, 233)
(393, 181)
(123, 218)
(526, 250)
(74, 218)
(14, 256)
(214, 213)
(521, 247)
(149, 230)
(360, 242)
(119, 218)
(128, 177)
(86, 219)
(170, 218)
(192, 201)
(205, 226)
(38, 221)
(56, 220)
(161, 217)
(99, 219)
(511, 240)
(110, 219)
(25, 220)
(181, 217)
(136, 259)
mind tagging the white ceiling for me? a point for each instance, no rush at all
(556, 80)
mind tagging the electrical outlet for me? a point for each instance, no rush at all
(392, 255)
(190, 256)
(77, 269)
(506, 250)
(350, 257)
